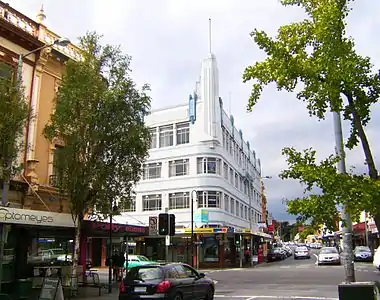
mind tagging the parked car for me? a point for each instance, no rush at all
(171, 281)
(328, 255)
(376, 258)
(301, 252)
(363, 253)
(288, 251)
(276, 254)
(138, 260)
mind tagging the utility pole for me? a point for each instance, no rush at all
(348, 259)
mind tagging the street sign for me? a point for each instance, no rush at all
(153, 226)
(198, 243)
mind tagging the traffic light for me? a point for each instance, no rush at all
(171, 224)
(166, 224)
(163, 224)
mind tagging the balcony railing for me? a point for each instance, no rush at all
(41, 33)
(53, 180)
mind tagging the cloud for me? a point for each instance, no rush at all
(168, 40)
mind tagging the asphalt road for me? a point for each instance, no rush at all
(288, 279)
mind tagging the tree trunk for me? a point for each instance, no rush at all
(372, 171)
(74, 275)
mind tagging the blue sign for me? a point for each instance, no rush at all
(192, 108)
(201, 216)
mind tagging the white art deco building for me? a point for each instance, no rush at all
(198, 153)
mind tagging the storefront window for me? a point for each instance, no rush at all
(210, 249)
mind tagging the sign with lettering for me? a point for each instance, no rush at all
(51, 289)
(192, 108)
(12, 215)
(118, 227)
(153, 227)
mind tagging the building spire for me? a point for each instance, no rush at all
(209, 34)
(41, 15)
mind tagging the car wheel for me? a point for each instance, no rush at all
(210, 294)
(177, 296)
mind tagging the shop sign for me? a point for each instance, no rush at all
(35, 217)
(221, 230)
(238, 230)
(119, 228)
(179, 231)
(201, 216)
(153, 226)
(200, 230)
(247, 230)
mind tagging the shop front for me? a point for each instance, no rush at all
(32, 239)
(95, 241)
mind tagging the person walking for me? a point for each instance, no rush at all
(120, 266)
(115, 260)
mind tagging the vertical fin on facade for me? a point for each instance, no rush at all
(41, 17)
(209, 94)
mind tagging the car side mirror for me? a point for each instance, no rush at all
(202, 275)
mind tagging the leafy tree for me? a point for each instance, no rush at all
(317, 58)
(14, 112)
(308, 230)
(325, 189)
(99, 119)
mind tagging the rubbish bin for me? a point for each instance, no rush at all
(359, 290)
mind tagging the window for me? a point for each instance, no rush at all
(208, 199)
(237, 208)
(152, 171)
(153, 138)
(152, 202)
(232, 206)
(231, 176)
(183, 133)
(178, 167)
(241, 211)
(57, 172)
(236, 180)
(209, 165)
(6, 71)
(166, 136)
(226, 202)
(225, 171)
(246, 213)
(129, 206)
(179, 200)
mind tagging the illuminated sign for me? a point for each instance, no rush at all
(35, 217)
(200, 230)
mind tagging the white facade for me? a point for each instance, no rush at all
(198, 153)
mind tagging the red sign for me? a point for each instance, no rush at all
(271, 228)
(119, 227)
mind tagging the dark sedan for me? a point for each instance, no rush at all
(363, 253)
(276, 254)
(166, 282)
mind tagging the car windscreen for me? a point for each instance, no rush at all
(329, 251)
(300, 249)
(362, 249)
(145, 273)
(142, 258)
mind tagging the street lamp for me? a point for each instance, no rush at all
(60, 42)
(192, 224)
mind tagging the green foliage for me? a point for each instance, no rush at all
(308, 230)
(14, 112)
(325, 189)
(318, 59)
(99, 118)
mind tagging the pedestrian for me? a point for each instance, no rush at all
(115, 260)
(120, 265)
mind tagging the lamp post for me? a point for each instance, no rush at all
(113, 210)
(192, 224)
(5, 192)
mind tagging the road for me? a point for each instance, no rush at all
(288, 279)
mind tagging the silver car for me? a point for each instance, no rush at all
(328, 255)
(301, 252)
(363, 253)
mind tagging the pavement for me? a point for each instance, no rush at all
(287, 280)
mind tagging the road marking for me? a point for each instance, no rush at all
(277, 297)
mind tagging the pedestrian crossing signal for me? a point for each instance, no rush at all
(166, 224)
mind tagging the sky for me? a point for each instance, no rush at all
(167, 40)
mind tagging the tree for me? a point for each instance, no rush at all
(325, 189)
(99, 120)
(14, 112)
(317, 57)
(308, 230)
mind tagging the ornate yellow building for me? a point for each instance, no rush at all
(41, 75)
